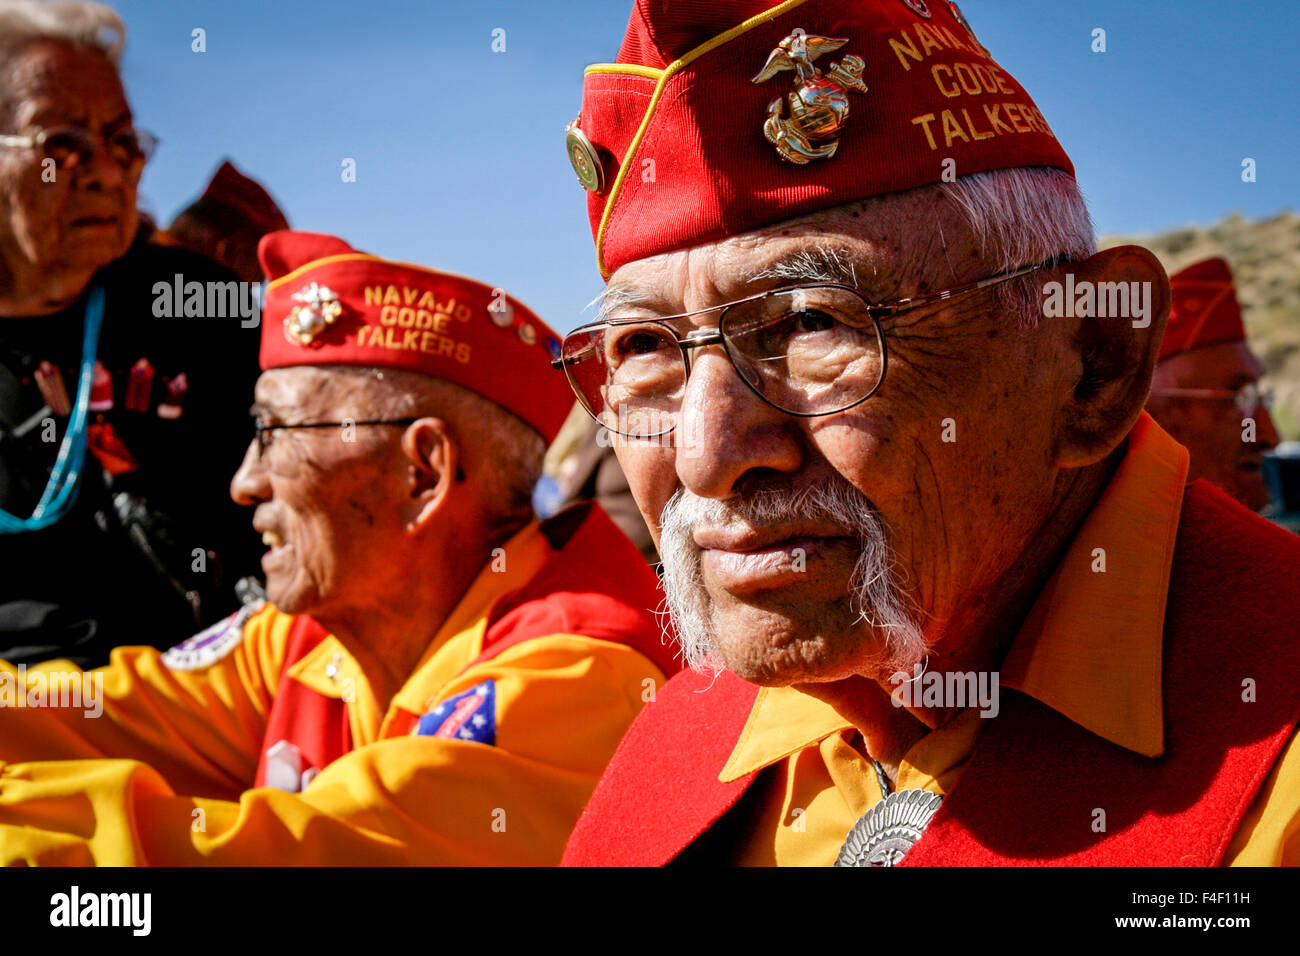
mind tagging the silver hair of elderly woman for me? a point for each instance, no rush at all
(91, 25)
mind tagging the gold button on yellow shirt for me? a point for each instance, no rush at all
(1090, 648)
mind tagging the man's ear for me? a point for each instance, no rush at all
(432, 462)
(1113, 354)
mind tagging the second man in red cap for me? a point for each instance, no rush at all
(436, 677)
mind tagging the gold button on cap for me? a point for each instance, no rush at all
(586, 161)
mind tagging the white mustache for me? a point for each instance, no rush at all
(875, 594)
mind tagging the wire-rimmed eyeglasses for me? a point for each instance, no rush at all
(264, 429)
(809, 350)
(1247, 398)
(72, 146)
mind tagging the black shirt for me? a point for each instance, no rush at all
(153, 546)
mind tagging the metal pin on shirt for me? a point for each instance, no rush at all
(171, 406)
(101, 389)
(50, 382)
(139, 387)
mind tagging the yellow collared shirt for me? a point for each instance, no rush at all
(816, 784)
(164, 774)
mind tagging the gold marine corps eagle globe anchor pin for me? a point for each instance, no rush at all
(320, 307)
(818, 104)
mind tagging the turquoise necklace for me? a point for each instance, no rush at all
(65, 479)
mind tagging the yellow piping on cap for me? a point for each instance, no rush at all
(317, 263)
(633, 68)
(366, 257)
(667, 74)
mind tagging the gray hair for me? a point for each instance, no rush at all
(1019, 217)
(514, 448)
(83, 24)
(1022, 217)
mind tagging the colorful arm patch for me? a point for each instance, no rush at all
(469, 716)
(211, 645)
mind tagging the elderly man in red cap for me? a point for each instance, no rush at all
(948, 595)
(1205, 391)
(435, 678)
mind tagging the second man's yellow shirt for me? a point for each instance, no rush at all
(165, 774)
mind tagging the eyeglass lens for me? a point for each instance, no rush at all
(807, 351)
(1250, 396)
(69, 146)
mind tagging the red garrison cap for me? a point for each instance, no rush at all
(229, 187)
(722, 117)
(328, 304)
(1205, 310)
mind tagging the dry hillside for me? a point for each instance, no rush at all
(1265, 258)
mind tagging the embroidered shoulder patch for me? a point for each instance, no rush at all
(212, 644)
(470, 716)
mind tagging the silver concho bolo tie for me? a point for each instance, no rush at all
(883, 835)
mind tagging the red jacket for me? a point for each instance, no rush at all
(1180, 809)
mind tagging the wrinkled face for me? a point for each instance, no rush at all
(1213, 428)
(327, 500)
(952, 456)
(85, 217)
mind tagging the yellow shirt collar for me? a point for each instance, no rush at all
(1090, 647)
(331, 671)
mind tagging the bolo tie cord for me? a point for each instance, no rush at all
(859, 743)
(882, 778)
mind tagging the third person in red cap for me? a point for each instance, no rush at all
(1206, 392)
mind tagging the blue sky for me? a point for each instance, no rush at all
(459, 150)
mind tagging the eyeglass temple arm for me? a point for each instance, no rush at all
(559, 363)
(902, 305)
(702, 337)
